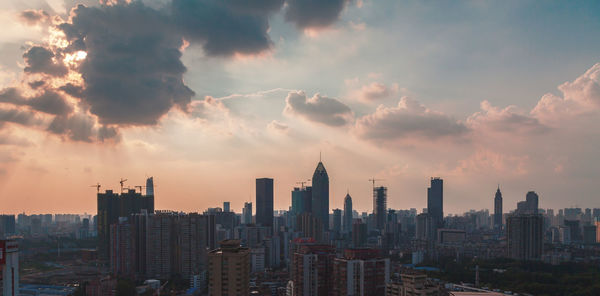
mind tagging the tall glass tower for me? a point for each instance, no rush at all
(435, 201)
(320, 195)
(347, 214)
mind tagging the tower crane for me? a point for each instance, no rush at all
(303, 182)
(122, 182)
(97, 187)
(373, 180)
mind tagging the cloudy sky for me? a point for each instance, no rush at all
(207, 95)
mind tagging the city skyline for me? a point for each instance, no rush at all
(392, 90)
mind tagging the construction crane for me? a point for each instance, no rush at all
(303, 182)
(140, 187)
(373, 180)
(122, 182)
(97, 187)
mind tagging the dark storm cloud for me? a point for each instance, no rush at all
(225, 27)
(133, 73)
(48, 101)
(72, 90)
(314, 13)
(40, 60)
(36, 84)
(33, 17)
(81, 127)
(319, 109)
(21, 117)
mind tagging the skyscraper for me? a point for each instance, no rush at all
(150, 186)
(498, 209)
(226, 206)
(229, 269)
(532, 202)
(380, 207)
(337, 221)
(435, 201)
(347, 213)
(264, 202)
(320, 195)
(247, 213)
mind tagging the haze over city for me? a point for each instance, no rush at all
(478, 93)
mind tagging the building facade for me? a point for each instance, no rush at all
(435, 202)
(229, 270)
(320, 195)
(360, 272)
(312, 268)
(380, 207)
(525, 234)
(264, 202)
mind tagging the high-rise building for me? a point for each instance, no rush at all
(226, 206)
(9, 260)
(597, 229)
(150, 186)
(380, 207)
(532, 202)
(111, 206)
(435, 201)
(229, 269)
(301, 200)
(347, 213)
(320, 195)
(425, 229)
(122, 258)
(337, 221)
(312, 268)
(264, 202)
(360, 272)
(7, 226)
(310, 226)
(359, 233)
(574, 229)
(498, 209)
(247, 213)
(525, 234)
(589, 234)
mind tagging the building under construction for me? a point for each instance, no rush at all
(113, 205)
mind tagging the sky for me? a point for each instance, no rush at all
(207, 95)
